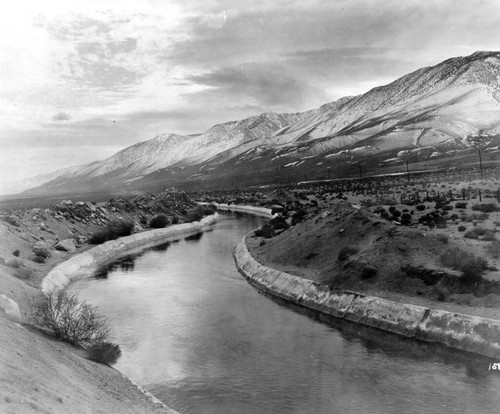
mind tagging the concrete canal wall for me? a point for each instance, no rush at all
(81, 265)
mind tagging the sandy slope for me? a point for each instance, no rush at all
(38, 373)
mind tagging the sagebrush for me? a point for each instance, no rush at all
(104, 352)
(70, 319)
(114, 230)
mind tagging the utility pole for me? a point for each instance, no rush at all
(480, 162)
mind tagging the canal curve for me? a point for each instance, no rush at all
(201, 339)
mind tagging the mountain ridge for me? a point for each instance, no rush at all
(433, 109)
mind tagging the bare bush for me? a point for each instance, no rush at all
(70, 319)
(346, 252)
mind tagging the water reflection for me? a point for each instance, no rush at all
(125, 264)
(194, 237)
(198, 336)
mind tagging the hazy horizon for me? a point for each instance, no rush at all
(83, 80)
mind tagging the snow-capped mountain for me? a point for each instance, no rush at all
(433, 110)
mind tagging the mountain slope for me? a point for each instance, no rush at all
(432, 111)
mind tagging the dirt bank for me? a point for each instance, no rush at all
(353, 249)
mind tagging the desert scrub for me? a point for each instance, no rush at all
(159, 221)
(494, 249)
(443, 238)
(198, 212)
(486, 207)
(12, 220)
(114, 230)
(480, 232)
(23, 273)
(104, 352)
(346, 252)
(70, 319)
(471, 266)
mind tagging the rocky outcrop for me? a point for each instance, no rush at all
(83, 264)
(67, 245)
(465, 332)
(10, 308)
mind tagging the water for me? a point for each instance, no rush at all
(200, 338)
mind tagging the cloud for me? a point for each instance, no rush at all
(61, 116)
(265, 85)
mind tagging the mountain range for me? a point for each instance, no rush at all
(429, 116)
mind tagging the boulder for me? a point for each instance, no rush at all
(41, 249)
(10, 307)
(67, 245)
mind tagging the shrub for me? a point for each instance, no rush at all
(471, 234)
(265, 231)
(368, 272)
(346, 252)
(175, 220)
(159, 221)
(16, 252)
(494, 248)
(23, 273)
(440, 222)
(442, 237)
(99, 237)
(447, 207)
(489, 236)
(15, 263)
(460, 205)
(120, 228)
(477, 232)
(461, 228)
(441, 293)
(486, 207)
(104, 352)
(198, 212)
(472, 266)
(12, 220)
(420, 207)
(39, 259)
(406, 219)
(278, 223)
(114, 230)
(70, 319)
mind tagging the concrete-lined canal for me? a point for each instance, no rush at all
(201, 339)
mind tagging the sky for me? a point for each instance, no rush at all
(82, 79)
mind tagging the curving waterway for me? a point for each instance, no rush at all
(201, 339)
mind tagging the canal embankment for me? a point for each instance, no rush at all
(460, 331)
